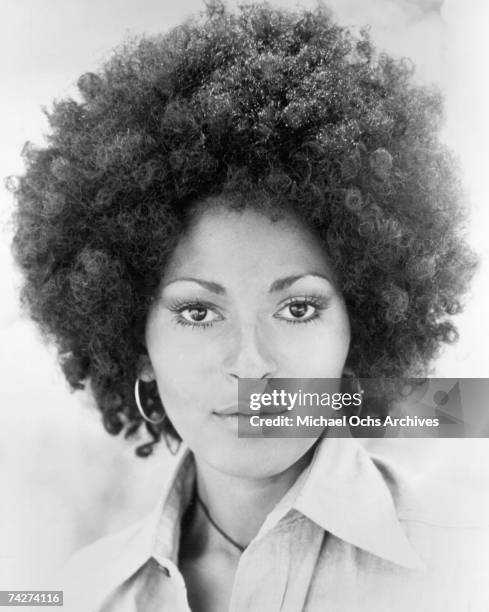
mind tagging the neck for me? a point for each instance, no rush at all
(239, 505)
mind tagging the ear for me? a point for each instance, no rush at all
(145, 369)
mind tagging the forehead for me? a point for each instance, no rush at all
(246, 244)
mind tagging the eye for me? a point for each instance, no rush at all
(198, 314)
(194, 314)
(301, 310)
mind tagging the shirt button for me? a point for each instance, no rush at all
(164, 570)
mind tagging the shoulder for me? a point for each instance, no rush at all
(103, 550)
(112, 559)
(92, 572)
(430, 499)
(447, 523)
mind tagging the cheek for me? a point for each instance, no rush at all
(172, 349)
(183, 364)
(316, 350)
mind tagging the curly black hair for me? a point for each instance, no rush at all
(285, 105)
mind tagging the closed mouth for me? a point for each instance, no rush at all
(234, 410)
(245, 412)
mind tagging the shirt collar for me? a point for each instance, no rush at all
(127, 551)
(346, 495)
(161, 529)
(342, 491)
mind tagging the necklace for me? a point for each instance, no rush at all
(216, 526)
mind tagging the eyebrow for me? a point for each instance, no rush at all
(209, 285)
(287, 281)
(278, 285)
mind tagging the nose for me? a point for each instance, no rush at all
(250, 354)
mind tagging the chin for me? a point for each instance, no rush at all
(254, 457)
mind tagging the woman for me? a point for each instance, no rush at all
(253, 195)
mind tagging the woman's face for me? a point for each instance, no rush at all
(242, 297)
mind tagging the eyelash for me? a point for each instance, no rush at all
(179, 306)
(319, 302)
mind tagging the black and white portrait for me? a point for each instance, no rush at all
(207, 193)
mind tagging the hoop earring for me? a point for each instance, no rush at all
(140, 408)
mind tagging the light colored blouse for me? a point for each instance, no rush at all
(354, 533)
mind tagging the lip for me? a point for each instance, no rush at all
(243, 409)
(233, 410)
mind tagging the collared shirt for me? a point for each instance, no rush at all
(354, 533)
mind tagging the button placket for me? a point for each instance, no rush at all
(261, 576)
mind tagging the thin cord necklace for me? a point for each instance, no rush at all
(216, 526)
